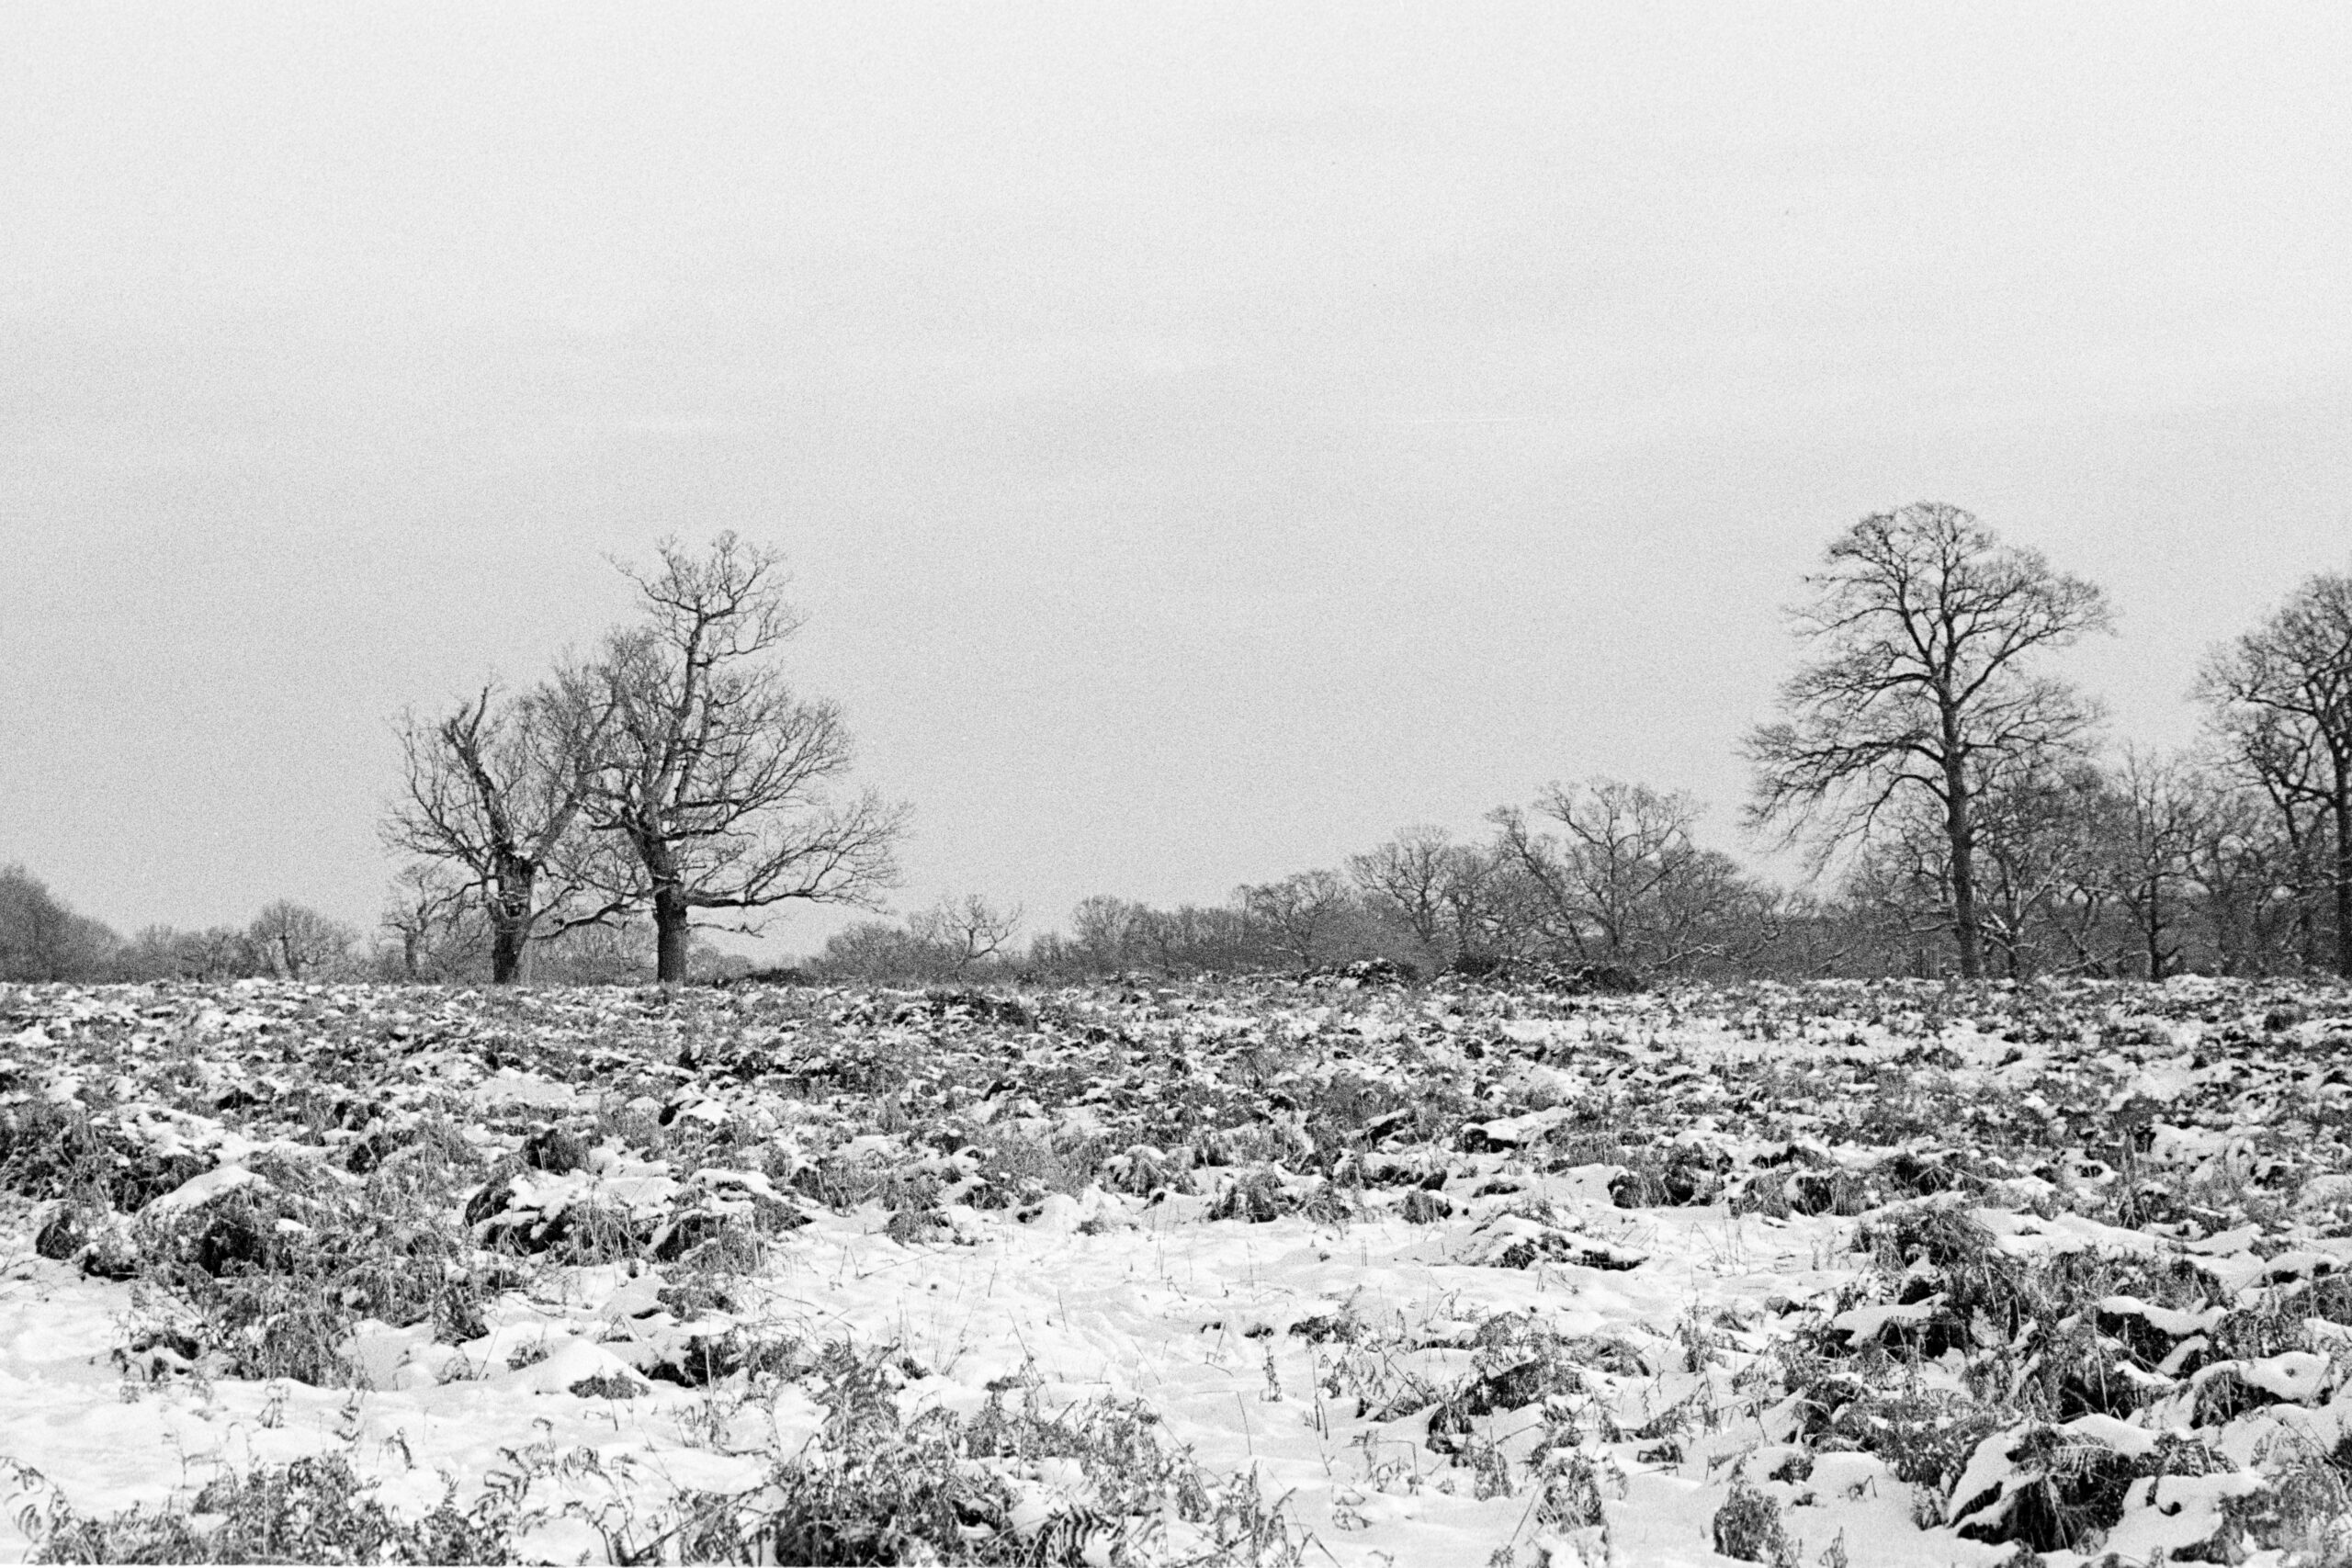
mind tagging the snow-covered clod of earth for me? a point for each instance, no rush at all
(1251, 1272)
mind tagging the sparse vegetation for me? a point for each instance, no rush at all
(2031, 1318)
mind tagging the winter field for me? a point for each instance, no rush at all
(1270, 1271)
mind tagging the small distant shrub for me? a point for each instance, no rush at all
(1256, 1196)
(844, 1184)
(1748, 1528)
(590, 1233)
(1423, 1207)
(1573, 1492)
(606, 1385)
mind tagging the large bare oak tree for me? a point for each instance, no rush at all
(1926, 631)
(495, 790)
(713, 773)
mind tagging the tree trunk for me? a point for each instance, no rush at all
(2299, 923)
(670, 934)
(510, 920)
(1962, 834)
(507, 942)
(2342, 805)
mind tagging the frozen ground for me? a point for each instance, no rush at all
(1246, 1273)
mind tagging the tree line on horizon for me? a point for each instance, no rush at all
(42, 939)
(1961, 809)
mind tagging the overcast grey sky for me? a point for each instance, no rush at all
(1206, 438)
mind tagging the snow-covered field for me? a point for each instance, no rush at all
(1267, 1271)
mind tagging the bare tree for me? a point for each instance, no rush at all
(1433, 887)
(1927, 629)
(217, 952)
(1503, 913)
(2281, 699)
(2045, 842)
(298, 943)
(966, 931)
(712, 773)
(615, 952)
(1466, 904)
(1297, 913)
(153, 953)
(1191, 939)
(2248, 877)
(874, 952)
(1106, 932)
(2153, 853)
(40, 939)
(2286, 766)
(436, 928)
(1405, 880)
(1624, 882)
(1897, 887)
(496, 789)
